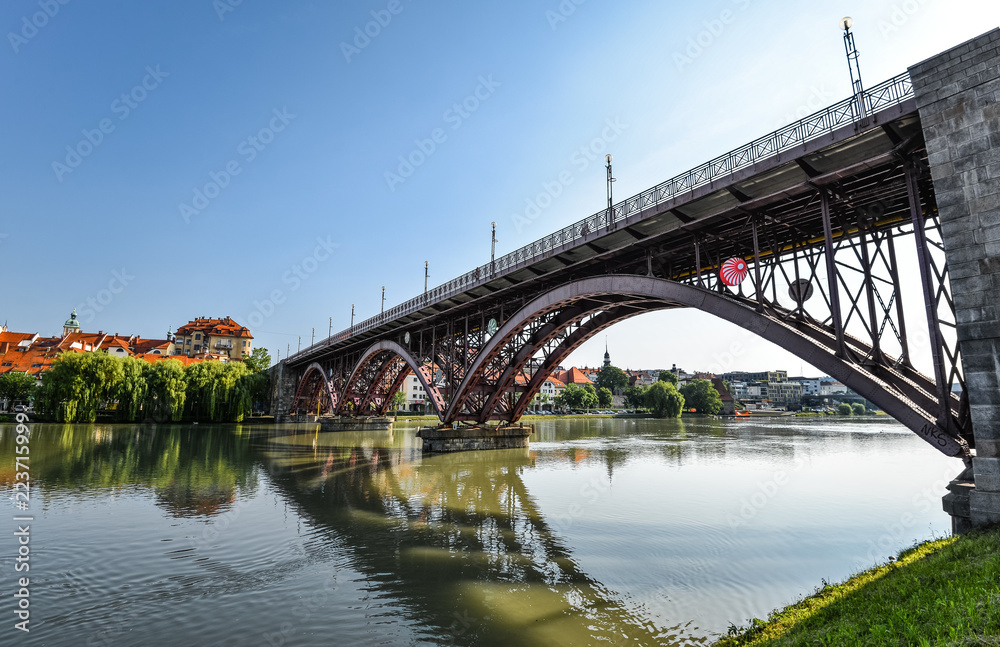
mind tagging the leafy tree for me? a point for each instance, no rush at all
(858, 409)
(844, 409)
(398, 400)
(664, 399)
(133, 389)
(258, 361)
(604, 397)
(78, 384)
(668, 376)
(167, 389)
(220, 392)
(575, 397)
(635, 397)
(612, 378)
(16, 386)
(702, 396)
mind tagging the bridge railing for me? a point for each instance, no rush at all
(884, 95)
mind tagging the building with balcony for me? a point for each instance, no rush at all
(208, 336)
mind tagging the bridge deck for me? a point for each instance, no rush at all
(711, 201)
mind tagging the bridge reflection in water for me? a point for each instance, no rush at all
(235, 536)
(457, 539)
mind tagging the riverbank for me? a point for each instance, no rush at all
(943, 592)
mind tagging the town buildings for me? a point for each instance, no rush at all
(218, 339)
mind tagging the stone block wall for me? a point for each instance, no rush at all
(958, 96)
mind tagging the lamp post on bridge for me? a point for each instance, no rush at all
(352, 315)
(382, 311)
(312, 340)
(493, 249)
(611, 179)
(853, 66)
(300, 344)
(426, 274)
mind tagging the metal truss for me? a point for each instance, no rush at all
(846, 269)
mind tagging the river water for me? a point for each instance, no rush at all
(603, 532)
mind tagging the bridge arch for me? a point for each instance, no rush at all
(593, 304)
(380, 373)
(312, 387)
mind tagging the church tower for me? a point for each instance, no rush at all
(607, 355)
(71, 325)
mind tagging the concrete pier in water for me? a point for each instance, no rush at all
(463, 438)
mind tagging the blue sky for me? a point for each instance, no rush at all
(164, 160)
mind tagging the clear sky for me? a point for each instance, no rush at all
(165, 160)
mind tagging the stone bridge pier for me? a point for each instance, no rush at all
(958, 97)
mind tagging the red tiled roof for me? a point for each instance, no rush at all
(142, 346)
(574, 376)
(32, 361)
(208, 326)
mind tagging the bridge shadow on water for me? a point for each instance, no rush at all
(454, 539)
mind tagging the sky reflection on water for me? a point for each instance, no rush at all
(663, 532)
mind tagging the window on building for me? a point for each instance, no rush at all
(197, 337)
(196, 347)
(187, 341)
(7, 364)
(36, 366)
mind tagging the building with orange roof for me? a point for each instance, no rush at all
(573, 376)
(206, 335)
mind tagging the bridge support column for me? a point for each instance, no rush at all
(958, 96)
(283, 385)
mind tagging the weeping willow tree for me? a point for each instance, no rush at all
(167, 384)
(133, 390)
(78, 384)
(218, 392)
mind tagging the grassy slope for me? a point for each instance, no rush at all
(945, 592)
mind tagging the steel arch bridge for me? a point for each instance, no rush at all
(835, 217)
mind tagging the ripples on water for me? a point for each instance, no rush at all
(603, 532)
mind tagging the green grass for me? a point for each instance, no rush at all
(944, 592)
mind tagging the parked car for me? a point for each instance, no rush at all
(19, 408)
